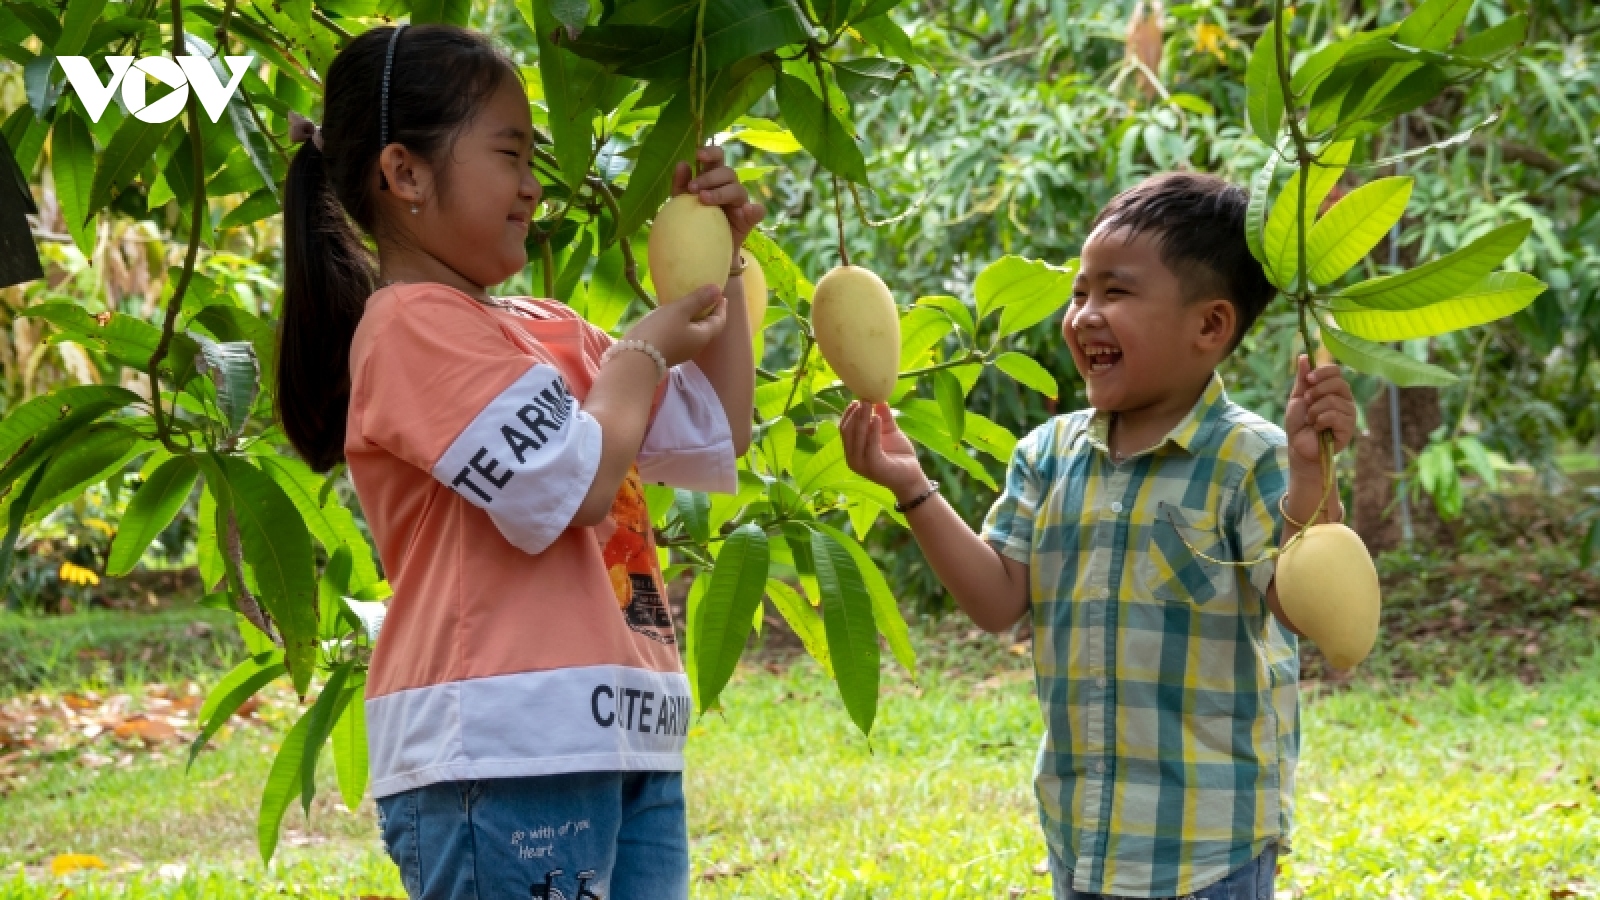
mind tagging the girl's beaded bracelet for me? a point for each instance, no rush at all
(644, 347)
(914, 502)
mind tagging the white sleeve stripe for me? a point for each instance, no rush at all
(527, 459)
(690, 444)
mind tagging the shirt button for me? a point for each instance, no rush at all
(1105, 593)
(1100, 682)
(1099, 767)
(1116, 506)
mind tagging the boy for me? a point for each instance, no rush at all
(1169, 695)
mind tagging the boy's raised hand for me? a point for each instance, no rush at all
(1320, 401)
(719, 185)
(876, 449)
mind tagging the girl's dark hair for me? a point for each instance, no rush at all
(439, 77)
(1198, 221)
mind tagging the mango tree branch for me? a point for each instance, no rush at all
(630, 266)
(196, 214)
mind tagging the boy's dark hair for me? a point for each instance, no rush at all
(1198, 221)
(439, 77)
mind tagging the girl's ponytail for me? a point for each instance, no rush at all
(328, 274)
(418, 90)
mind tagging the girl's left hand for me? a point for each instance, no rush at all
(1320, 401)
(719, 185)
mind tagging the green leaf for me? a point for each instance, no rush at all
(921, 329)
(788, 285)
(46, 440)
(1376, 359)
(324, 713)
(672, 139)
(128, 338)
(19, 511)
(952, 403)
(232, 367)
(278, 548)
(1317, 66)
(283, 782)
(328, 521)
(36, 416)
(1401, 90)
(350, 746)
(848, 623)
(883, 32)
(723, 622)
(132, 145)
(1255, 215)
(257, 206)
(567, 78)
(72, 165)
(1494, 297)
(76, 25)
(821, 132)
(1263, 89)
(1281, 240)
(737, 29)
(777, 445)
(885, 609)
(958, 312)
(1491, 43)
(803, 620)
(150, 511)
(926, 425)
(1354, 226)
(1445, 277)
(90, 457)
(988, 437)
(240, 684)
(1433, 25)
(1027, 371)
(694, 509)
(861, 79)
(833, 13)
(1035, 286)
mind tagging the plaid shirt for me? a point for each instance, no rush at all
(1169, 692)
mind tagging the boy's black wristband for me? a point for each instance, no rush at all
(914, 502)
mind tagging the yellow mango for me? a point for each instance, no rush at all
(691, 246)
(1329, 589)
(755, 290)
(857, 328)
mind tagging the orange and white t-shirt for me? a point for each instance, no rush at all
(515, 643)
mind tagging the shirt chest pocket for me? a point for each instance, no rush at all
(1183, 554)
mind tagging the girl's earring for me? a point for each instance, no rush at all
(414, 209)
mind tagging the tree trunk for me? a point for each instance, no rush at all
(1373, 518)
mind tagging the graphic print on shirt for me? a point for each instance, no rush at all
(630, 560)
(526, 459)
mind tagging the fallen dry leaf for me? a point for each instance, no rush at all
(151, 731)
(1042, 867)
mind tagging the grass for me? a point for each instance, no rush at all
(103, 649)
(1432, 790)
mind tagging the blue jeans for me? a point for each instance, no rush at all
(583, 836)
(1252, 881)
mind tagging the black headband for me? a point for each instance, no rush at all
(383, 109)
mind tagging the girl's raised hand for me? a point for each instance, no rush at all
(673, 330)
(718, 185)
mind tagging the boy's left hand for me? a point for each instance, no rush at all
(719, 185)
(1321, 401)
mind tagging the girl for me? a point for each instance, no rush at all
(526, 706)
